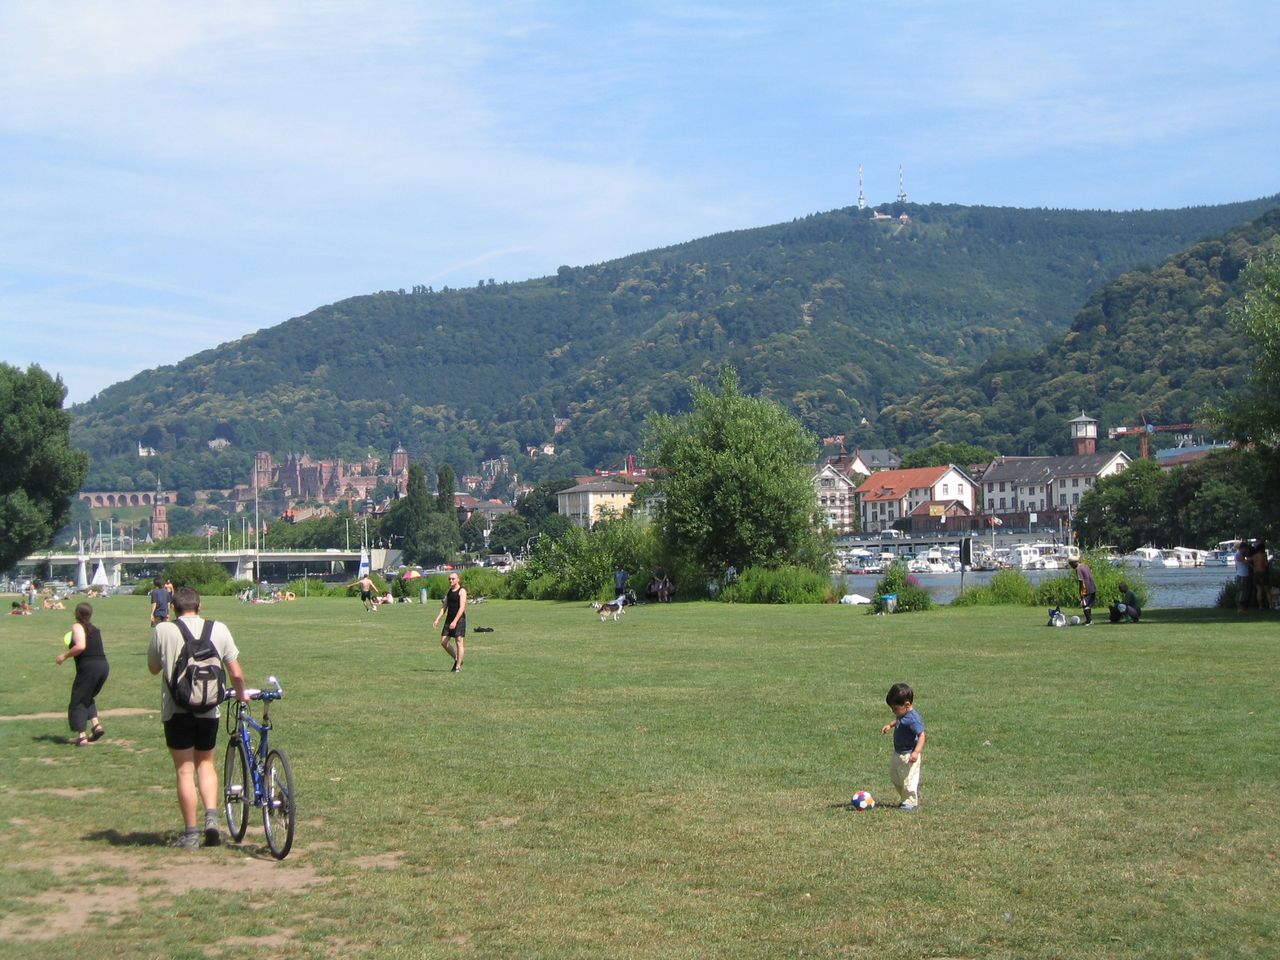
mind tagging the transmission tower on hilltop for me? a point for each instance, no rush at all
(902, 190)
(862, 200)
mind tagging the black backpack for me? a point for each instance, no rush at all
(199, 680)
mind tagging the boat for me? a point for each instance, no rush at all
(1148, 557)
(1189, 556)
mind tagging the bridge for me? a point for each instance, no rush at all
(110, 567)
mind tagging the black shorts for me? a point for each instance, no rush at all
(186, 731)
(459, 631)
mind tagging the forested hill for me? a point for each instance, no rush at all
(834, 315)
(1156, 343)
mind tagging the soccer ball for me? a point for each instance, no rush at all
(862, 800)
(1075, 621)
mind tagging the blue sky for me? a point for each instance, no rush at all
(176, 175)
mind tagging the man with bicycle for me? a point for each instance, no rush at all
(192, 737)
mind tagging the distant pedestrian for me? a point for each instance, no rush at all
(1260, 566)
(91, 674)
(1088, 590)
(161, 597)
(908, 745)
(1244, 576)
(620, 576)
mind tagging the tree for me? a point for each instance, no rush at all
(509, 534)
(734, 475)
(1126, 510)
(1254, 416)
(445, 485)
(406, 521)
(40, 472)
(472, 532)
(944, 454)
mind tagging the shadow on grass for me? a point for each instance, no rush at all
(1200, 615)
(62, 740)
(133, 839)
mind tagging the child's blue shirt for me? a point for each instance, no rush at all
(909, 727)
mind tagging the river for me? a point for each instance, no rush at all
(1168, 587)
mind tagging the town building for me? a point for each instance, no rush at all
(927, 495)
(837, 499)
(585, 503)
(1021, 492)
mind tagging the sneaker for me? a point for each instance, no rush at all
(457, 668)
(212, 835)
(186, 841)
(908, 807)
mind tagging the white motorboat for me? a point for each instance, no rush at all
(1148, 557)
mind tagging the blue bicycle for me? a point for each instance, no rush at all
(258, 776)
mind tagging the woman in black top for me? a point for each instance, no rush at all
(91, 674)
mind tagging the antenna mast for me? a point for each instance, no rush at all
(902, 191)
(862, 200)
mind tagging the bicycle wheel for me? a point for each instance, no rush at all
(237, 790)
(278, 809)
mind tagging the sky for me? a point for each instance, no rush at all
(176, 175)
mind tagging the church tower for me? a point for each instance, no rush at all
(159, 516)
(1084, 435)
(399, 460)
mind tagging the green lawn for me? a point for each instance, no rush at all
(672, 785)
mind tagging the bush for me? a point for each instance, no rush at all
(785, 585)
(1064, 591)
(1007, 587)
(207, 577)
(485, 582)
(311, 587)
(909, 596)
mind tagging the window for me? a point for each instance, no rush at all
(1063, 500)
(1002, 503)
(1075, 481)
(946, 487)
(1075, 498)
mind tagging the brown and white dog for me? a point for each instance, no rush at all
(611, 609)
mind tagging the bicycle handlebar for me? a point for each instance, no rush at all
(257, 694)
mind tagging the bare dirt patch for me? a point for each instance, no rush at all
(62, 714)
(382, 861)
(45, 915)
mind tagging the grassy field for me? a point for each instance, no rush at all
(673, 785)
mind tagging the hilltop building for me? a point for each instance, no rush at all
(303, 478)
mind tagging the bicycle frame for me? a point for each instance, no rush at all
(257, 775)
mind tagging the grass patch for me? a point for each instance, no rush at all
(671, 785)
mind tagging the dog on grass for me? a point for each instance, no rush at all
(613, 608)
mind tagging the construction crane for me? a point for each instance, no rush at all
(1144, 431)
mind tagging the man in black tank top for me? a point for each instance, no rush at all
(454, 613)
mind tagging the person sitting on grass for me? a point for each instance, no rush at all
(1126, 610)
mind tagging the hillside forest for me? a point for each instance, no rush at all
(978, 325)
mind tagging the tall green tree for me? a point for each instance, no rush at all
(39, 472)
(734, 478)
(406, 521)
(446, 485)
(1126, 510)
